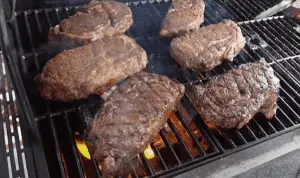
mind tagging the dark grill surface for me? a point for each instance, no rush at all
(189, 141)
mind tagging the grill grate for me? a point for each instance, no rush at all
(188, 141)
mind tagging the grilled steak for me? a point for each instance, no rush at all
(93, 21)
(132, 115)
(183, 16)
(207, 47)
(232, 99)
(91, 69)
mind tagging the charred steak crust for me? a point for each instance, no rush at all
(91, 69)
(232, 99)
(132, 115)
(183, 16)
(209, 46)
(93, 21)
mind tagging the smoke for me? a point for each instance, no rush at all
(215, 13)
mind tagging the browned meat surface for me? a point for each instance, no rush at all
(91, 69)
(132, 115)
(183, 16)
(207, 47)
(93, 21)
(232, 99)
(293, 11)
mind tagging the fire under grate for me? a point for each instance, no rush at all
(188, 141)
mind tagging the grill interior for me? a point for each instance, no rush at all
(189, 141)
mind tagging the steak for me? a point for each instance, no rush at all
(232, 99)
(207, 47)
(93, 21)
(132, 115)
(91, 69)
(183, 16)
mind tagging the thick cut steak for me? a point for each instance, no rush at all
(232, 99)
(132, 115)
(93, 21)
(91, 69)
(207, 47)
(183, 16)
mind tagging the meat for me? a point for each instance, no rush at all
(91, 69)
(183, 16)
(207, 47)
(293, 11)
(232, 99)
(93, 21)
(132, 115)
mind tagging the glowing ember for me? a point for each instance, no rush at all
(210, 125)
(148, 152)
(82, 148)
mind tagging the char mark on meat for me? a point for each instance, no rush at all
(209, 46)
(132, 115)
(91, 69)
(232, 99)
(183, 16)
(91, 22)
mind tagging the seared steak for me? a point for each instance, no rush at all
(91, 69)
(183, 16)
(93, 21)
(232, 99)
(132, 115)
(207, 47)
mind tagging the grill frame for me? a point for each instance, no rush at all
(12, 61)
(31, 137)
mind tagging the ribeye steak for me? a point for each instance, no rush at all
(132, 115)
(183, 16)
(232, 99)
(209, 46)
(91, 69)
(93, 21)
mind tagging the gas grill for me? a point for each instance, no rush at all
(42, 138)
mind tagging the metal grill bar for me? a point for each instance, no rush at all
(231, 13)
(5, 128)
(289, 86)
(96, 167)
(146, 162)
(37, 65)
(74, 149)
(38, 21)
(191, 134)
(233, 9)
(48, 18)
(269, 125)
(257, 124)
(166, 142)
(285, 102)
(134, 173)
(160, 156)
(175, 131)
(284, 69)
(57, 147)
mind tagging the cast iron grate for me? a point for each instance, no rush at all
(188, 141)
